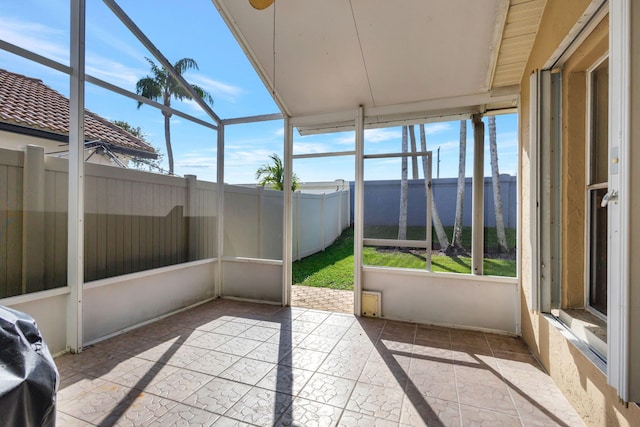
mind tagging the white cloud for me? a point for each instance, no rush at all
(216, 88)
(197, 163)
(108, 38)
(310, 148)
(41, 39)
(113, 71)
(434, 128)
(279, 132)
(247, 159)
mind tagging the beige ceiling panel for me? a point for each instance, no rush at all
(330, 56)
(444, 50)
(318, 58)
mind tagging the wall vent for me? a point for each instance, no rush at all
(371, 304)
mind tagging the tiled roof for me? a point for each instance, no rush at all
(28, 102)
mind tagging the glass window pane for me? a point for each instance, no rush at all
(599, 123)
(598, 252)
(500, 196)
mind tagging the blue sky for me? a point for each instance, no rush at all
(194, 29)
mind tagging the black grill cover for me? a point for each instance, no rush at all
(28, 376)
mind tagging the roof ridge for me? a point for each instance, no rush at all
(33, 79)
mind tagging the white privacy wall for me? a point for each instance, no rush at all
(461, 300)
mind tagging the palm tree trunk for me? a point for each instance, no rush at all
(457, 226)
(404, 189)
(495, 178)
(167, 139)
(414, 159)
(442, 236)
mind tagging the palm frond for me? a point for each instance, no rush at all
(185, 64)
(149, 88)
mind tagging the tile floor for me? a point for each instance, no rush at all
(229, 363)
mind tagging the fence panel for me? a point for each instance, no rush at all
(241, 220)
(310, 229)
(331, 212)
(271, 225)
(11, 233)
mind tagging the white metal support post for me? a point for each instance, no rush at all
(477, 209)
(75, 254)
(358, 218)
(218, 288)
(287, 216)
(428, 175)
(622, 300)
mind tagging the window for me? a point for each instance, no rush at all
(597, 187)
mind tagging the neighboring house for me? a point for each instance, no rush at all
(33, 113)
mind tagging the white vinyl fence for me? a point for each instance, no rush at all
(253, 222)
(137, 221)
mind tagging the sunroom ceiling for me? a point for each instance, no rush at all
(407, 58)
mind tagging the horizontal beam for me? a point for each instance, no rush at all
(434, 110)
(328, 154)
(43, 60)
(113, 88)
(252, 119)
(391, 155)
(392, 243)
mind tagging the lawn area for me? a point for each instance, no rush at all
(333, 268)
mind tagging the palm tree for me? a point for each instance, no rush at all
(273, 174)
(456, 242)
(495, 178)
(437, 224)
(404, 189)
(160, 84)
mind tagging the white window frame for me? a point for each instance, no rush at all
(590, 187)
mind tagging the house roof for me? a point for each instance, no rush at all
(29, 103)
(422, 58)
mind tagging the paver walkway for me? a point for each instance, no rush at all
(322, 299)
(229, 363)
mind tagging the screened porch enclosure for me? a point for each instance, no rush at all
(137, 238)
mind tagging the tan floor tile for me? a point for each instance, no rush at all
(376, 401)
(179, 384)
(217, 395)
(355, 419)
(262, 364)
(247, 371)
(64, 420)
(477, 417)
(328, 389)
(305, 412)
(184, 415)
(213, 362)
(285, 379)
(260, 407)
(419, 411)
(144, 409)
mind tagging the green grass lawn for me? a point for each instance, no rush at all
(333, 268)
